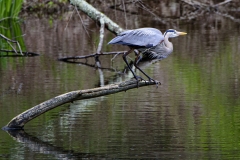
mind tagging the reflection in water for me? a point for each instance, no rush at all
(36, 145)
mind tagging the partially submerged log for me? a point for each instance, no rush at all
(19, 121)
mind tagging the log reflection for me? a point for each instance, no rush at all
(39, 146)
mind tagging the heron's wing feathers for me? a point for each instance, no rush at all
(157, 52)
(143, 37)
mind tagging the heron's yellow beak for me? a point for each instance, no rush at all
(181, 33)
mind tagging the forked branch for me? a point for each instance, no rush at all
(9, 41)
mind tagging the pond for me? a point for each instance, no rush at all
(193, 114)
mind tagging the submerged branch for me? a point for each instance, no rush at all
(19, 121)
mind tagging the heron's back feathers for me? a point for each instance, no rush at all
(143, 37)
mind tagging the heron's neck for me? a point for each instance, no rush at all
(168, 44)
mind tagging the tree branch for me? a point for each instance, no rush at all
(14, 51)
(12, 41)
(90, 55)
(19, 121)
(222, 3)
(96, 15)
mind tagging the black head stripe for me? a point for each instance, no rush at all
(169, 30)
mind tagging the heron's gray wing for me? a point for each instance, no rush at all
(143, 37)
(119, 37)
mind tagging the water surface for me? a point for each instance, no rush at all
(194, 114)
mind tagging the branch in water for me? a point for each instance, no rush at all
(24, 53)
(12, 41)
(19, 121)
(90, 55)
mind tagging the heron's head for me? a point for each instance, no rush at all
(173, 33)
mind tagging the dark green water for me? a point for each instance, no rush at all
(194, 114)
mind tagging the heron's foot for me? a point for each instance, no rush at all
(156, 82)
(138, 78)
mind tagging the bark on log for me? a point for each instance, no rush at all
(96, 15)
(19, 121)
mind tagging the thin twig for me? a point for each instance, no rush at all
(111, 69)
(12, 47)
(19, 47)
(84, 27)
(222, 3)
(115, 56)
(9, 40)
(141, 5)
(24, 53)
(91, 55)
(69, 19)
(125, 15)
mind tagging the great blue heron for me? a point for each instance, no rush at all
(145, 40)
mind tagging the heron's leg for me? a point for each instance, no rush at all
(125, 60)
(138, 58)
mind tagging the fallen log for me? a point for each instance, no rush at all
(19, 121)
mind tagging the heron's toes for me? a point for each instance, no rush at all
(156, 82)
(138, 78)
